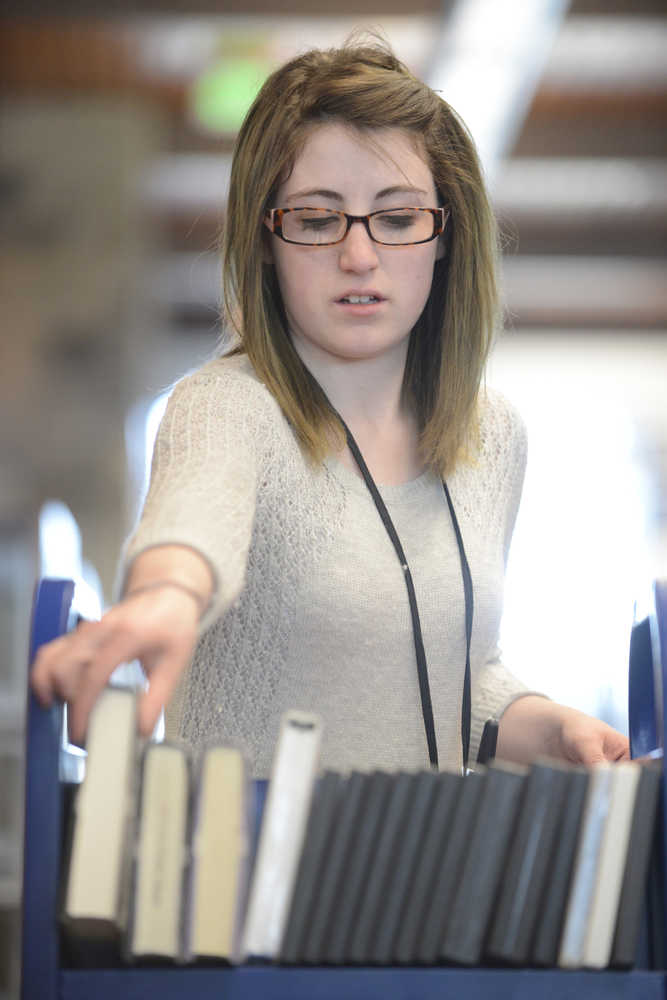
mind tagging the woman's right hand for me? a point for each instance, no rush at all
(158, 626)
(157, 623)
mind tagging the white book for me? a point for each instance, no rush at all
(160, 853)
(293, 774)
(586, 868)
(611, 868)
(95, 905)
(219, 851)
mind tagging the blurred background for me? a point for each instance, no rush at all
(117, 125)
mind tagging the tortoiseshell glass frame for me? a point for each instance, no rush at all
(275, 220)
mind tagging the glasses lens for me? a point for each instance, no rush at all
(313, 226)
(402, 225)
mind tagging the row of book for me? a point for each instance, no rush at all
(542, 866)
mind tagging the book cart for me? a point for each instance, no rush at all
(45, 978)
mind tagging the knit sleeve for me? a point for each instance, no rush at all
(494, 687)
(203, 478)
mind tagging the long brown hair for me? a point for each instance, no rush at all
(367, 87)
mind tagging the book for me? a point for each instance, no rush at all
(571, 952)
(633, 890)
(436, 834)
(490, 836)
(451, 849)
(160, 854)
(520, 898)
(319, 832)
(411, 844)
(381, 869)
(216, 887)
(613, 852)
(655, 909)
(352, 880)
(549, 925)
(95, 907)
(281, 836)
(347, 827)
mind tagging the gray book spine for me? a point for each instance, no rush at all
(353, 880)
(548, 930)
(450, 789)
(633, 892)
(522, 888)
(452, 851)
(317, 843)
(483, 867)
(354, 793)
(382, 867)
(426, 784)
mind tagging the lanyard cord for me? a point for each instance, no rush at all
(422, 671)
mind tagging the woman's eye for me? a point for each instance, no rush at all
(318, 221)
(397, 220)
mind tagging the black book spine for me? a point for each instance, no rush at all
(548, 933)
(533, 845)
(382, 867)
(633, 891)
(353, 794)
(490, 837)
(452, 850)
(319, 833)
(353, 882)
(449, 788)
(426, 784)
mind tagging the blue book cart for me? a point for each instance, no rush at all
(45, 978)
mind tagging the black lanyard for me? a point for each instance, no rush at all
(422, 672)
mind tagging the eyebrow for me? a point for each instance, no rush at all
(336, 196)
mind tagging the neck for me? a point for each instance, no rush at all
(367, 394)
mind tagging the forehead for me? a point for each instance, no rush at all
(338, 156)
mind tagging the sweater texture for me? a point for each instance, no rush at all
(310, 609)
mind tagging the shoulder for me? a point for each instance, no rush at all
(229, 384)
(502, 432)
(488, 481)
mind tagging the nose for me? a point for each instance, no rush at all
(357, 251)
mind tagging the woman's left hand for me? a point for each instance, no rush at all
(532, 726)
(581, 739)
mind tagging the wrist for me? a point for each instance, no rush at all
(530, 726)
(176, 566)
(201, 601)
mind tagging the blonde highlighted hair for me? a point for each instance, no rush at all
(366, 87)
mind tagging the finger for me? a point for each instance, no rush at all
(586, 750)
(41, 679)
(58, 664)
(165, 674)
(117, 649)
(618, 747)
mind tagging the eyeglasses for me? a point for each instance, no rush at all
(324, 227)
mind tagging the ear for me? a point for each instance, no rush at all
(440, 248)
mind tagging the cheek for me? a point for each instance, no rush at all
(419, 277)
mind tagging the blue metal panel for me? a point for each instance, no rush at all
(642, 715)
(255, 983)
(659, 637)
(41, 857)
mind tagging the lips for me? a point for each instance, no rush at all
(358, 298)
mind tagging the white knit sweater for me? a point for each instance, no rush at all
(311, 609)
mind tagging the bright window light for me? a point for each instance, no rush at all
(60, 557)
(582, 551)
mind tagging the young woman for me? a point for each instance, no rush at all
(332, 501)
